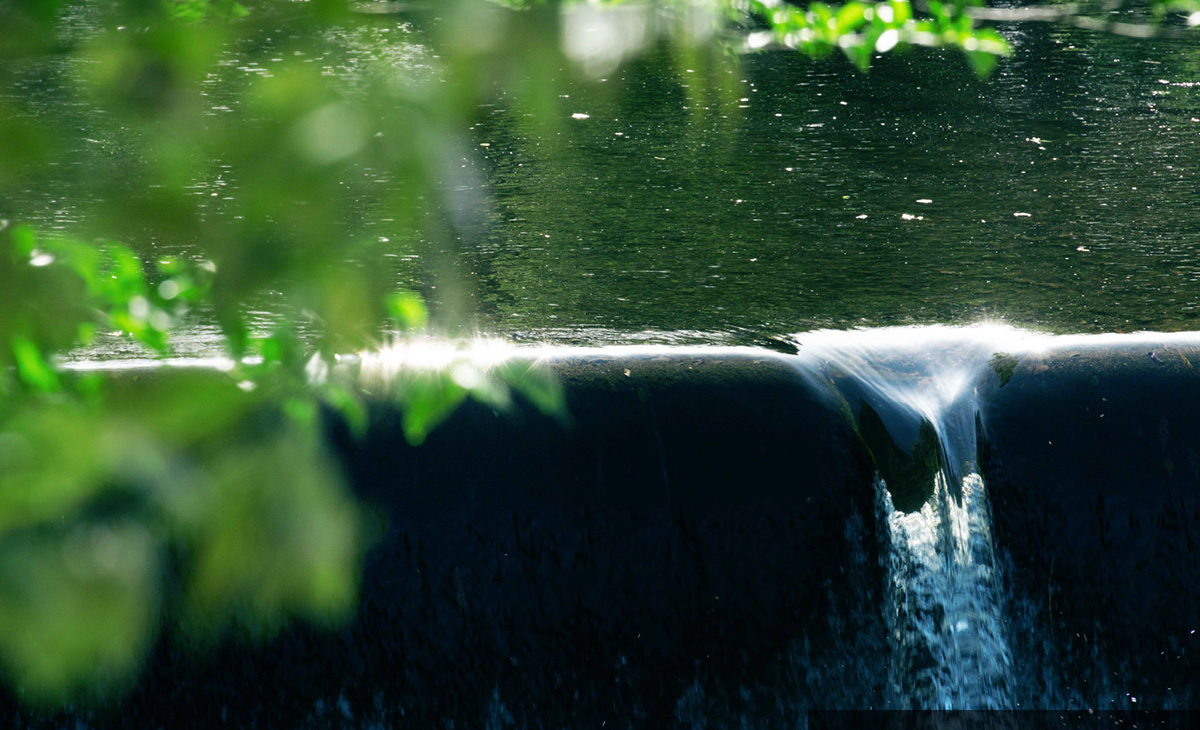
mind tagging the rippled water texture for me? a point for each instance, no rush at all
(675, 205)
(1061, 194)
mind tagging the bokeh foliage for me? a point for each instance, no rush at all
(207, 496)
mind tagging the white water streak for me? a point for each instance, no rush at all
(946, 612)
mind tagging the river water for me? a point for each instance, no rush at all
(1061, 194)
(775, 195)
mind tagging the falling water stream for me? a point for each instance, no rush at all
(911, 391)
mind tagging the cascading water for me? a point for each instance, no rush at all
(946, 610)
(945, 607)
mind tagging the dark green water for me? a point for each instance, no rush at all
(1062, 194)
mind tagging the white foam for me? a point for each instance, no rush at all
(945, 607)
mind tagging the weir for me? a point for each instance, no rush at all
(924, 518)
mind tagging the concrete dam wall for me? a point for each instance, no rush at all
(731, 537)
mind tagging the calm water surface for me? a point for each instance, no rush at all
(788, 195)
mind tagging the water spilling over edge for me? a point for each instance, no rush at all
(945, 601)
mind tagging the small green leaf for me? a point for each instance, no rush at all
(850, 17)
(428, 399)
(24, 238)
(538, 384)
(860, 54)
(32, 368)
(990, 41)
(982, 63)
(820, 13)
(285, 348)
(408, 309)
(349, 406)
(237, 335)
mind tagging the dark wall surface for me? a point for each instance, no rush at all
(1092, 460)
(698, 545)
(692, 521)
(695, 543)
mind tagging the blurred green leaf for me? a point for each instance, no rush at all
(347, 403)
(982, 63)
(408, 309)
(537, 383)
(901, 11)
(270, 532)
(428, 399)
(185, 407)
(32, 368)
(23, 239)
(78, 607)
(849, 17)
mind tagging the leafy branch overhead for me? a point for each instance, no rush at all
(861, 30)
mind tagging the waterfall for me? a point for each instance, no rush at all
(945, 609)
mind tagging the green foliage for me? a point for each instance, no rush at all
(861, 29)
(197, 10)
(109, 512)
(56, 292)
(432, 377)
